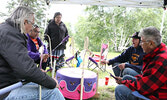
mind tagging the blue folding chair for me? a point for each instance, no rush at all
(138, 95)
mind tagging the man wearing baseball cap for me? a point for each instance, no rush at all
(130, 61)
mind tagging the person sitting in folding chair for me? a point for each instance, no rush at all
(133, 55)
(34, 44)
(16, 64)
(152, 83)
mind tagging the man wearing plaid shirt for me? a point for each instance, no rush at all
(152, 83)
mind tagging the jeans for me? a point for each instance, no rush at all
(129, 71)
(124, 93)
(30, 91)
(126, 71)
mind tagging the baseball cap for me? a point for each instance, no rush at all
(135, 35)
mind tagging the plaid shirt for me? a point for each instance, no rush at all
(153, 82)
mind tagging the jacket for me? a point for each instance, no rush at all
(153, 82)
(15, 63)
(132, 55)
(32, 51)
(57, 34)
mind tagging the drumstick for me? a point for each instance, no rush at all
(65, 39)
(50, 49)
(40, 65)
(112, 75)
(82, 79)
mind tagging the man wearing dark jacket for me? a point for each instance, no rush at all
(57, 31)
(132, 56)
(15, 63)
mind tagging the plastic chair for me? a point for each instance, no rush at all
(138, 95)
(96, 59)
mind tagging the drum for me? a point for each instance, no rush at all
(69, 82)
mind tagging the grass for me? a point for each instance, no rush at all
(106, 93)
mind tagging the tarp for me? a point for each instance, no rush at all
(119, 3)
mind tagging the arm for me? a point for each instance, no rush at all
(33, 55)
(66, 34)
(124, 57)
(14, 51)
(152, 79)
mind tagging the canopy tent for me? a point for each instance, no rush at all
(122, 3)
(112, 3)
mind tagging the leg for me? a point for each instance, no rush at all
(116, 69)
(44, 65)
(129, 71)
(129, 77)
(30, 91)
(124, 93)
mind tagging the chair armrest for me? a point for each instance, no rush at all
(137, 94)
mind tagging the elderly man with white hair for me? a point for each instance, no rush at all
(152, 83)
(15, 63)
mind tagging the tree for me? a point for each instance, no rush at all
(38, 6)
(115, 24)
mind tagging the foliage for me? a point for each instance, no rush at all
(114, 24)
(38, 7)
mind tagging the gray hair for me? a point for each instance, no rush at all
(151, 33)
(20, 15)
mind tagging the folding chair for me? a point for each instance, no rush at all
(96, 59)
(69, 60)
(138, 95)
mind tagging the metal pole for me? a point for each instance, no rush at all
(162, 23)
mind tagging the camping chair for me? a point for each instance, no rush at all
(96, 59)
(76, 57)
(69, 62)
(138, 95)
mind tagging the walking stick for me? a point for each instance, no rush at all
(82, 78)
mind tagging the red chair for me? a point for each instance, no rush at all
(96, 59)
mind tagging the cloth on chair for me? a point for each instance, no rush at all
(95, 59)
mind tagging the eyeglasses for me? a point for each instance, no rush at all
(141, 42)
(36, 31)
(33, 24)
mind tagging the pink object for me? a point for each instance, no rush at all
(69, 83)
(106, 80)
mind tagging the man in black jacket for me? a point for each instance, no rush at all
(15, 63)
(57, 31)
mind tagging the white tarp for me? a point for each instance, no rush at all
(121, 3)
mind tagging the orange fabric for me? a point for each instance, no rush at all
(36, 43)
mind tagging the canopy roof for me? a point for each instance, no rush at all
(122, 3)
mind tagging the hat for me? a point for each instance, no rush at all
(135, 35)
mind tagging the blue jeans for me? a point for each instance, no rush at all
(30, 91)
(129, 71)
(126, 71)
(124, 93)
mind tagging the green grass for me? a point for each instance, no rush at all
(106, 93)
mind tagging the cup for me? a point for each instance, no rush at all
(106, 80)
